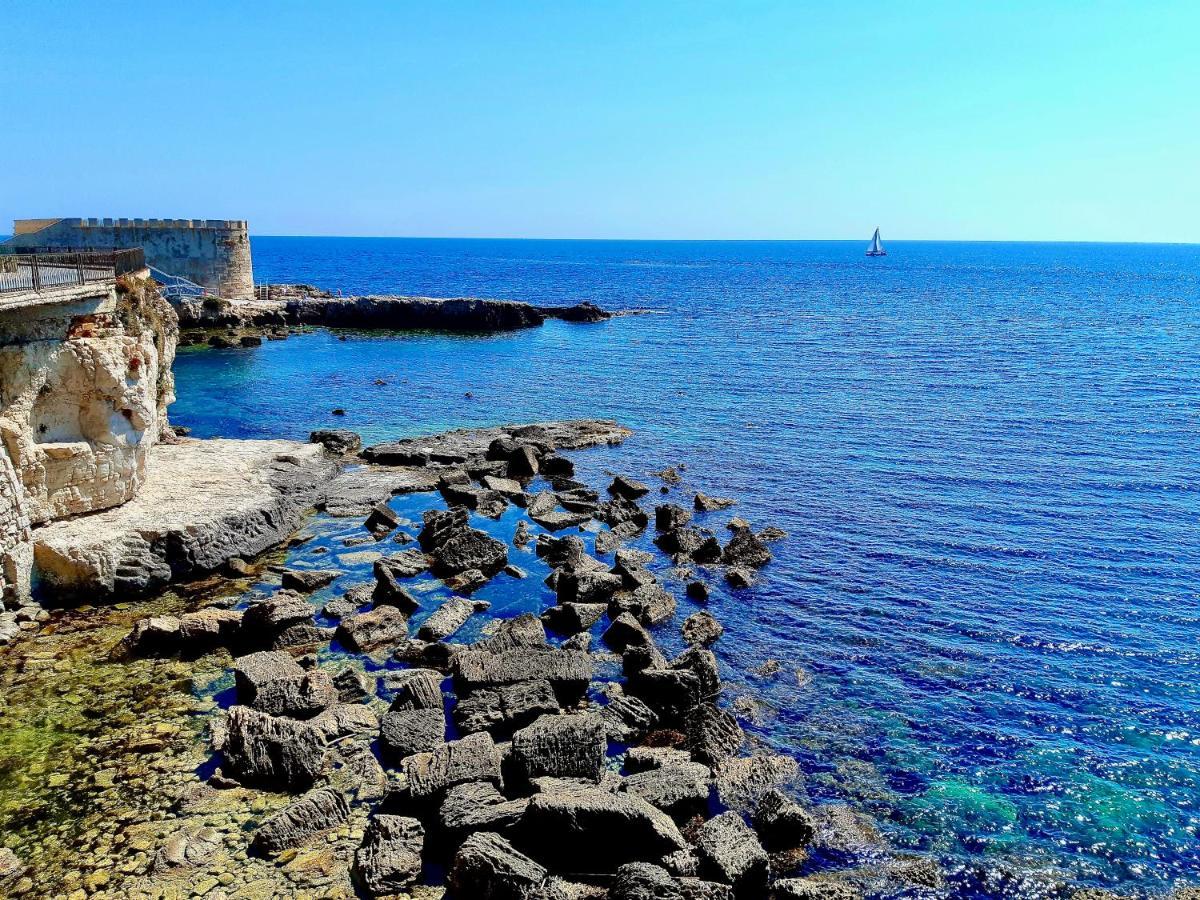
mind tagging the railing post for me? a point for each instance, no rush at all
(36, 274)
(79, 266)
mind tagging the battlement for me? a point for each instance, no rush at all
(29, 226)
(214, 253)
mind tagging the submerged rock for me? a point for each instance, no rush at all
(272, 751)
(316, 811)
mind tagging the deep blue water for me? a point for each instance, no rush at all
(986, 457)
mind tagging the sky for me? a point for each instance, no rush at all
(1051, 120)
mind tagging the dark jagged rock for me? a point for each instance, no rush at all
(705, 503)
(627, 719)
(558, 519)
(622, 511)
(154, 635)
(272, 751)
(560, 829)
(274, 683)
(703, 663)
(316, 811)
(670, 516)
(696, 544)
(448, 618)
(671, 693)
(627, 488)
(473, 758)
(632, 571)
(649, 604)
(569, 671)
(262, 621)
(478, 806)
(389, 572)
(561, 747)
(739, 576)
(389, 860)
(581, 642)
(302, 635)
(415, 689)
(427, 654)
(306, 581)
(644, 881)
(586, 586)
(505, 707)
(730, 853)
(746, 550)
(209, 627)
(525, 630)
(382, 520)
(678, 790)
(346, 720)
(584, 312)
(337, 440)
(781, 822)
(487, 867)
(713, 735)
(353, 685)
(625, 631)
(642, 759)
(638, 658)
(607, 542)
(440, 525)
(697, 590)
(523, 463)
(405, 732)
(369, 631)
(457, 447)
(469, 548)
(569, 618)
(701, 629)
(743, 781)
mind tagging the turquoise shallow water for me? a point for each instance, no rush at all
(985, 456)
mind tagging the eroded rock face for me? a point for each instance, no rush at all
(316, 811)
(389, 860)
(84, 390)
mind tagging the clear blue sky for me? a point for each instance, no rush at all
(1051, 120)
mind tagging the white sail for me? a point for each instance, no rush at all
(876, 246)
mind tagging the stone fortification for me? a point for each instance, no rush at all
(214, 253)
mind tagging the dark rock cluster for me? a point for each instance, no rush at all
(521, 763)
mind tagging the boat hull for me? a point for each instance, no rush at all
(876, 253)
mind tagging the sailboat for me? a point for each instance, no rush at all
(876, 248)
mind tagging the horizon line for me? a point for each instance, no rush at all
(419, 237)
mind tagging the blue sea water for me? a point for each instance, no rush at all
(987, 458)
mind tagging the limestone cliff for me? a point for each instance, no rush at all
(85, 381)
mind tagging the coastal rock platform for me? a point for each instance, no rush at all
(203, 502)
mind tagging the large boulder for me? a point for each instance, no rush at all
(262, 621)
(746, 550)
(478, 806)
(781, 822)
(469, 548)
(817, 888)
(415, 689)
(487, 867)
(389, 860)
(627, 488)
(448, 618)
(205, 628)
(670, 516)
(627, 719)
(316, 811)
(524, 630)
(644, 881)
(701, 629)
(347, 720)
(369, 631)
(677, 789)
(305, 581)
(743, 781)
(713, 735)
(569, 671)
(583, 586)
(671, 693)
(271, 751)
(341, 441)
(271, 681)
(405, 732)
(730, 853)
(571, 746)
(473, 758)
(589, 829)
(504, 707)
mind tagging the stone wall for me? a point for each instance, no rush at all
(211, 252)
(84, 388)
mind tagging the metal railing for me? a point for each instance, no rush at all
(41, 270)
(176, 286)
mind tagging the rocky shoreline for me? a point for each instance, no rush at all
(367, 750)
(279, 309)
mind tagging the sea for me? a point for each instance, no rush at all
(986, 457)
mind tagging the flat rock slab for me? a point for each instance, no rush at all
(203, 503)
(459, 446)
(356, 491)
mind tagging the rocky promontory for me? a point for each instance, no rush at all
(278, 308)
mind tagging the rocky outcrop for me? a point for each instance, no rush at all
(85, 382)
(202, 503)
